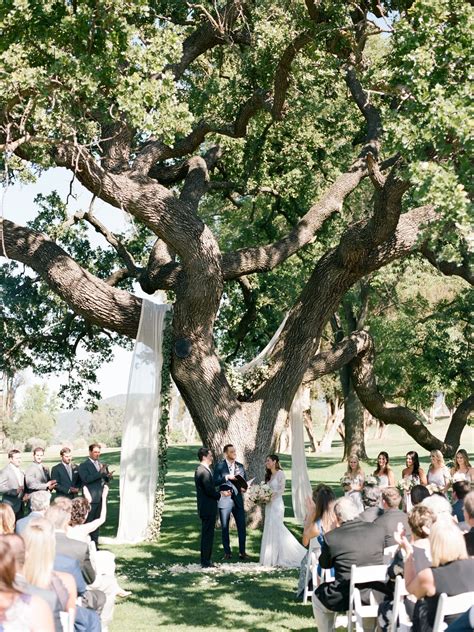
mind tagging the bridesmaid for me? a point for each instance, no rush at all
(384, 472)
(413, 473)
(462, 470)
(438, 473)
(355, 473)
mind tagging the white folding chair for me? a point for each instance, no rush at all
(389, 553)
(400, 619)
(458, 604)
(363, 575)
(311, 568)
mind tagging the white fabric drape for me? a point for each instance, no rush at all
(139, 455)
(300, 485)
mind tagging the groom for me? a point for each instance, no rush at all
(226, 471)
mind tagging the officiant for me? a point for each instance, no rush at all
(229, 471)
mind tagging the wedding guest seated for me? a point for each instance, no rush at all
(420, 519)
(464, 623)
(319, 520)
(451, 572)
(392, 515)
(24, 612)
(469, 517)
(40, 551)
(78, 529)
(371, 497)
(352, 542)
(39, 502)
(418, 493)
(7, 519)
(439, 505)
(460, 490)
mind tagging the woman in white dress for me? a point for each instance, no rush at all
(462, 470)
(279, 547)
(356, 476)
(438, 473)
(384, 472)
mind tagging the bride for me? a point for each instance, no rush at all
(279, 547)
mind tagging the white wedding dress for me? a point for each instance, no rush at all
(279, 547)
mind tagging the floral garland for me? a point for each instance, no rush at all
(154, 527)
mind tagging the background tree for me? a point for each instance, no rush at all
(342, 135)
(36, 417)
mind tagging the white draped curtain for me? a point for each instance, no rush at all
(300, 485)
(139, 454)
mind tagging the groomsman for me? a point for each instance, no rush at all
(12, 483)
(207, 498)
(226, 472)
(94, 475)
(66, 475)
(37, 475)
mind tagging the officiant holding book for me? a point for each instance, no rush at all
(230, 472)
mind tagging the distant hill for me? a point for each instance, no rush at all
(71, 423)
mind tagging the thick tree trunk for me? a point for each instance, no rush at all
(354, 437)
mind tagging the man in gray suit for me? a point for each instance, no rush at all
(37, 475)
(12, 483)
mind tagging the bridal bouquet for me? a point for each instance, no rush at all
(346, 482)
(260, 494)
(371, 481)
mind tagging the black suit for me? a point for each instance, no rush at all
(238, 511)
(371, 514)
(207, 498)
(60, 474)
(389, 521)
(94, 480)
(354, 542)
(469, 539)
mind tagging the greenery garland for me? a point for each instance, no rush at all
(154, 527)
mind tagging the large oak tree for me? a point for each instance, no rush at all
(242, 136)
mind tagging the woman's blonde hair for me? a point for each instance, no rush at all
(446, 542)
(438, 455)
(7, 519)
(40, 550)
(356, 458)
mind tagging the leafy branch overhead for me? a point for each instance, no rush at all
(271, 155)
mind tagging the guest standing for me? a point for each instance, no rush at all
(12, 483)
(37, 475)
(438, 473)
(95, 475)
(414, 475)
(66, 475)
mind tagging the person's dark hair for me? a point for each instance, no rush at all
(13, 452)
(462, 489)
(371, 496)
(94, 445)
(80, 509)
(323, 496)
(7, 567)
(268, 473)
(387, 468)
(38, 449)
(418, 493)
(17, 547)
(64, 451)
(415, 462)
(227, 446)
(203, 452)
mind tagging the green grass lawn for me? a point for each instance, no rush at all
(194, 601)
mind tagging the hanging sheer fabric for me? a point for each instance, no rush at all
(300, 485)
(139, 455)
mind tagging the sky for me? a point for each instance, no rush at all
(18, 206)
